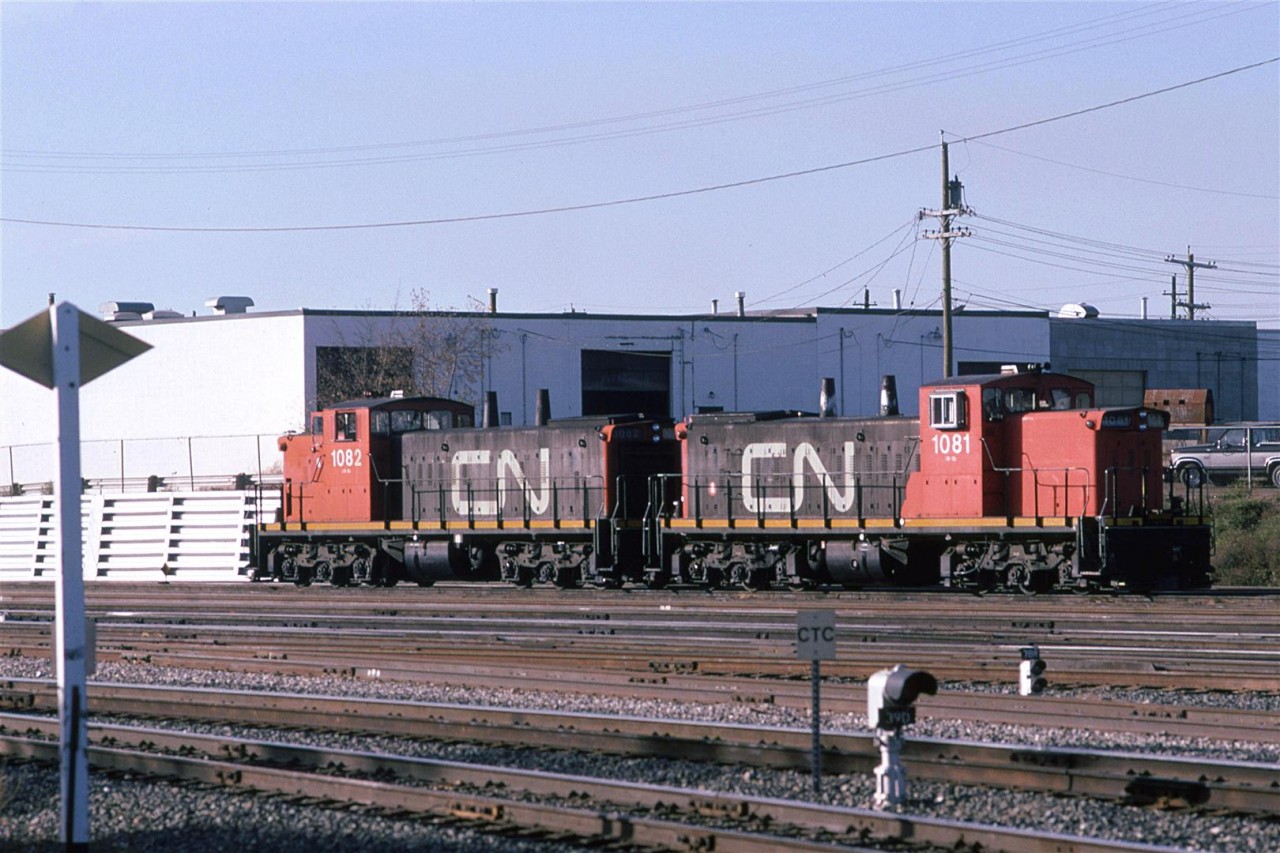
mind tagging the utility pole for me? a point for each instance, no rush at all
(1172, 293)
(1191, 265)
(952, 206)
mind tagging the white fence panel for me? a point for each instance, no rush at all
(27, 539)
(198, 536)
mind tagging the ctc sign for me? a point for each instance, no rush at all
(816, 635)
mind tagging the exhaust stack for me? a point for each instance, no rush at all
(888, 396)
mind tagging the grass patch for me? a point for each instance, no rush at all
(1247, 535)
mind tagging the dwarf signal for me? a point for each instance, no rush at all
(1031, 680)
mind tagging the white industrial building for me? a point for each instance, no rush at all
(210, 398)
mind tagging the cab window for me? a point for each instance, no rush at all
(1019, 400)
(947, 410)
(317, 425)
(1061, 399)
(992, 408)
(345, 426)
(439, 419)
(379, 423)
(405, 421)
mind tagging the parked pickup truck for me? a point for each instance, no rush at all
(1226, 458)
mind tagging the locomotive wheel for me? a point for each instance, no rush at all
(524, 577)
(713, 579)
(1022, 578)
(380, 571)
(568, 578)
(657, 580)
(340, 576)
(303, 577)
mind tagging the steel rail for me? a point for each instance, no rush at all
(400, 655)
(677, 818)
(1045, 711)
(1111, 775)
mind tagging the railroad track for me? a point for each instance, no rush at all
(630, 814)
(698, 649)
(1110, 775)
(1211, 643)
(1229, 724)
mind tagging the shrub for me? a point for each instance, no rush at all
(1247, 533)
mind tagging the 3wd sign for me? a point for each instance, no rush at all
(816, 635)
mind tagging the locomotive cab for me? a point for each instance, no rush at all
(976, 460)
(347, 467)
(1033, 445)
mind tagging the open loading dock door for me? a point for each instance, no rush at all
(614, 382)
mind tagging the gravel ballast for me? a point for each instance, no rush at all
(144, 816)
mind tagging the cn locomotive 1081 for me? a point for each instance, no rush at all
(1014, 480)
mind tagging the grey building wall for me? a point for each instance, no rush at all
(1269, 374)
(216, 390)
(1220, 356)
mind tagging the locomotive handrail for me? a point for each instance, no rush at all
(800, 503)
(1185, 499)
(473, 496)
(1035, 481)
(658, 490)
(1066, 470)
(1111, 495)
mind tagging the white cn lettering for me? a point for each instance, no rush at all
(841, 499)
(507, 461)
(462, 502)
(750, 495)
(805, 456)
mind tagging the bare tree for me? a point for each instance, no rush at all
(423, 351)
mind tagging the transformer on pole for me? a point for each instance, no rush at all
(952, 206)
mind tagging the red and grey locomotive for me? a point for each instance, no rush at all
(1013, 480)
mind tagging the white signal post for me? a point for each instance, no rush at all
(63, 349)
(816, 641)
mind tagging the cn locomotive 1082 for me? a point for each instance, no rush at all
(1007, 481)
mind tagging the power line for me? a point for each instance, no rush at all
(834, 267)
(1196, 17)
(1268, 196)
(1120, 102)
(635, 199)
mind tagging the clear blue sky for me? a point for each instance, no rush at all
(266, 116)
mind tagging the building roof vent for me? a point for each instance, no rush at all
(116, 311)
(162, 314)
(229, 304)
(1078, 310)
